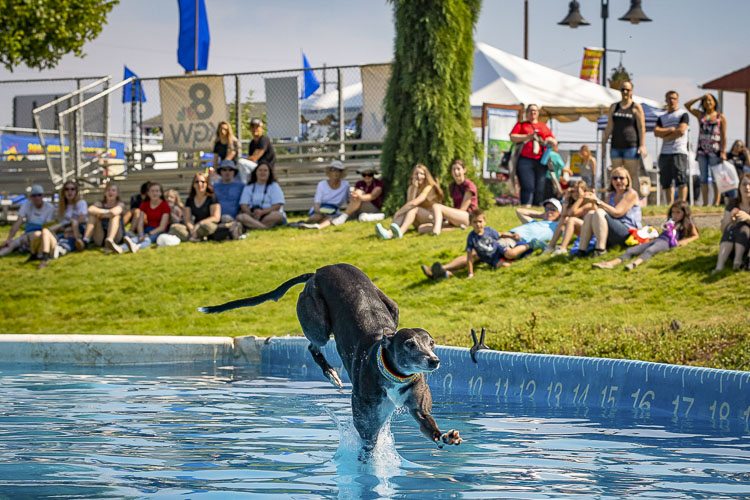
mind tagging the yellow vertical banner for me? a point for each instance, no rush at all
(592, 58)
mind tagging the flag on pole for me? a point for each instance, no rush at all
(128, 93)
(192, 39)
(592, 58)
(311, 83)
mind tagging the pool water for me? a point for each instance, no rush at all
(218, 432)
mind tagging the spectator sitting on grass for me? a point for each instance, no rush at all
(366, 199)
(105, 223)
(489, 246)
(71, 211)
(330, 194)
(679, 231)
(202, 212)
(33, 215)
(735, 227)
(464, 195)
(134, 212)
(43, 245)
(228, 190)
(423, 192)
(152, 221)
(611, 222)
(176, 208)
(571, 218)
(262, 201)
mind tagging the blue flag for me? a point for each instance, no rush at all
(128, 94)
(311, 81)
(187, 44)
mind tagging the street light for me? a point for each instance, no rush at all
(574, 19)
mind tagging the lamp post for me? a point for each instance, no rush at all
(574, 19)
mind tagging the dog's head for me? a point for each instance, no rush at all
(411, 350)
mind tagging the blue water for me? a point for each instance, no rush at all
(222, 432)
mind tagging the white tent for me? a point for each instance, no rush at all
(317, 107)
(502, 78)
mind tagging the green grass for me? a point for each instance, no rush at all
(540, 304)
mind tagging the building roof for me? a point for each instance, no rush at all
(737, 81)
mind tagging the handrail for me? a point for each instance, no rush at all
(96, 97)
(68, 96)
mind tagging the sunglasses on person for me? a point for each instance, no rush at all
(71, 188)
(368, 174)
(550, 209)
(618, 178)
(36, 195)
(199, 181)
(625, 89)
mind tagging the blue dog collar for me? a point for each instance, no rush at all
(389, 375)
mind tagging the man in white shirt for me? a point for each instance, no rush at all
(34, 214)
(672, 127)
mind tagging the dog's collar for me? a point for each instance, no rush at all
(388, 373)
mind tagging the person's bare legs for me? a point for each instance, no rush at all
(516, 251)
(682, 192)
(113, 229)
(453, 215)
(668, 195)
(725, 250)
(49, 242)
(600, 228)
(353, 205)
(587, 231)
(90, 226)
(739, 254)
(572, 226)
(717, 197)
(634, 168)
(558, 232)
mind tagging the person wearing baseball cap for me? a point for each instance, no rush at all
(33, 215)
(260, 148)
(366, 199)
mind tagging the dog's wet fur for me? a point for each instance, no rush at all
(340, 300)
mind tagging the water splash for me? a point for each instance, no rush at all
(366, 474)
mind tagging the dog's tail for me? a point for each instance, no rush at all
(274, 295)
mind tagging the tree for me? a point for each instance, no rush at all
(39, 33)
(427, 103)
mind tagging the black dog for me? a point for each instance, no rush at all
(384, 365)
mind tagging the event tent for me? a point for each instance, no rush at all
(502, 78)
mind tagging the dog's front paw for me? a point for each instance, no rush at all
(334, 378)
(450, 437)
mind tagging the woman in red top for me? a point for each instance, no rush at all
(154, 219)
(464, 195)
(533, 135)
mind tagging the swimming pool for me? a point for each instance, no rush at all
(211, 431)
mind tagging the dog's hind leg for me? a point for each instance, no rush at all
(389, 304)
(313, 317)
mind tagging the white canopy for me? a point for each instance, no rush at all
(502, 78)
(317, 107)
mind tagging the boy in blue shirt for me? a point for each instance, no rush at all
(495, 249)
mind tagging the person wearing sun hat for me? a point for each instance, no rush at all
(33, 214)
(330, 195)
(228, 190)
(366, 199)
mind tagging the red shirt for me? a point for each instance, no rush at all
(153, 215)
(527, 128)
(368, 188)
(457, 194)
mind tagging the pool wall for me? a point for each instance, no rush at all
(721, 396)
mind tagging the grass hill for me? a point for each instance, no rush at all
(667, 310)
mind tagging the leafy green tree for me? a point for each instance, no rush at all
(38, 33)
(427, 102)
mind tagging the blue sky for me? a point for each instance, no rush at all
(677, 50)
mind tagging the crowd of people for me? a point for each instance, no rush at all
(225, 207)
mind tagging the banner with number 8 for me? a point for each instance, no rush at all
(192, 108)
